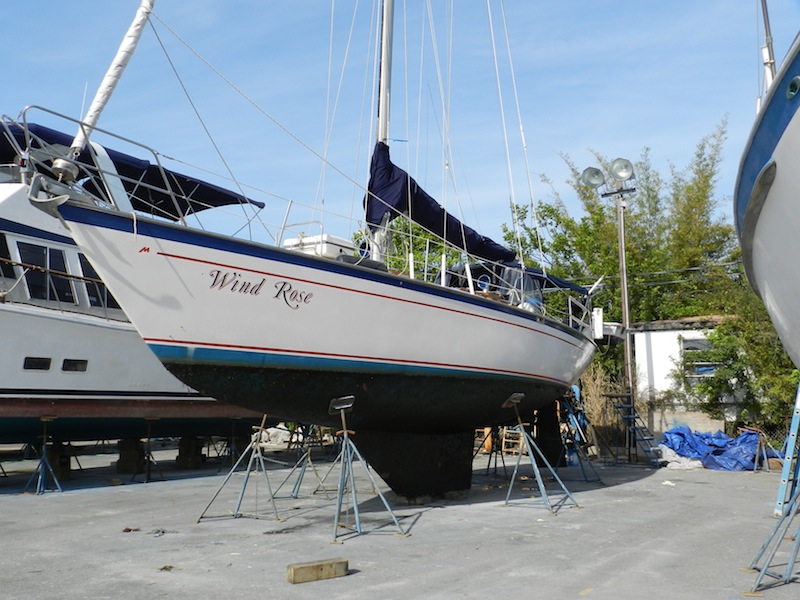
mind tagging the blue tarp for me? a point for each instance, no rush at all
(716, 451)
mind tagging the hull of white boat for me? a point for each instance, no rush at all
(767, 204)
(119, 389)
(112, 360)
(285, 333)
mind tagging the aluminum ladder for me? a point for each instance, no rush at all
(573, 438)
(787, 506)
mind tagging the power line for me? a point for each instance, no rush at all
(726, 265)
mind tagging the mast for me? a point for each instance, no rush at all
(379, 237)
(768, 54)
(107, 86)
(385, 73)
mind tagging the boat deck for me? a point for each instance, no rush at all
(642, 533)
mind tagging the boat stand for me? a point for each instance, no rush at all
(302, 464)
(495, 449)
(229, 450)
(257, 460)
(348, 455)
(43, 467)
(148, 460)
(533, 452)
(787, 513)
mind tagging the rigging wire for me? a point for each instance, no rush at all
(509, 172)
(409, 224)
(324, 156)
(444, 97)
(328, 118)
(368, 100)
(201, 120)
(259, 108)
(330, 113)
(524, 143)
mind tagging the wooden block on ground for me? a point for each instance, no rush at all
(313, 571)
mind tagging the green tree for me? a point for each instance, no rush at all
(752, 368)
(409, 238)
(682, 260)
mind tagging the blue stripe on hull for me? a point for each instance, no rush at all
(22, 229)
(246, 358)
(776, 114)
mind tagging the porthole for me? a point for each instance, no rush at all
(36, 363)
(794, 87)
(74, 364)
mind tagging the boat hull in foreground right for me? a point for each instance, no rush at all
(767, 203)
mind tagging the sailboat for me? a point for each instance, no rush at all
(288, 329)
(766, 210)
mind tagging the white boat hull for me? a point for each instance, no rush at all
(285, 332)
(767, 205)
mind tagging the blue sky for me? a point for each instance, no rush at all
(611, 76)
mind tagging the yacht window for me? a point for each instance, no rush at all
(6, 270)
(73, 364)
(36, 363)
(97, 292)
(46, 284)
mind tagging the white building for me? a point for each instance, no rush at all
(658, 349)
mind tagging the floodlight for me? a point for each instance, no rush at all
(621, 169)
(593, 177)
(345, 403)
(513, 400)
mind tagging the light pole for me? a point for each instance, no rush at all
(621, 184)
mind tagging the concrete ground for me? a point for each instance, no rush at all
(641, 533)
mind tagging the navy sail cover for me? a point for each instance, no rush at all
(391, 190)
